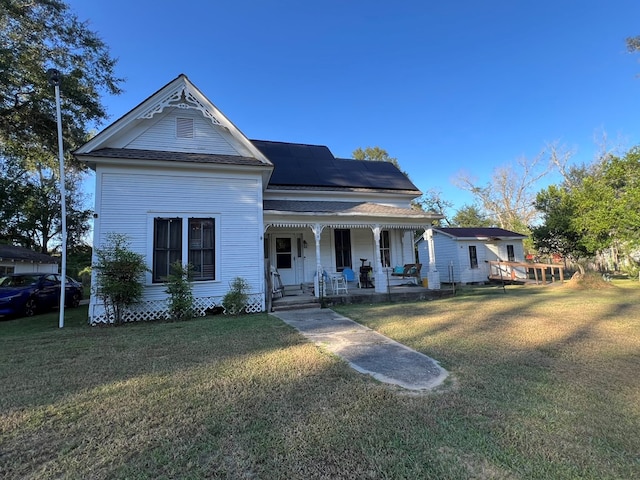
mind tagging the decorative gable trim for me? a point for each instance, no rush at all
(183, 97)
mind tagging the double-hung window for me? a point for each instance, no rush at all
(511, 256)
(184, 240)
(167, 246)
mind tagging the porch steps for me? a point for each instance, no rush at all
(294, 303)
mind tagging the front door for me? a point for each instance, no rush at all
(286, 259)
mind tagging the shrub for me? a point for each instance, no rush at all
(119, 276)
(235, 300)
(180, 292)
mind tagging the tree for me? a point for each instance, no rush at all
(119, 276)
(558, 233)
(35, 36)
(596, 207)
(374, 154)
(608, 203)
(633, 44)
(509, 195)
(432, 201)
(31, 213)
(470, 216)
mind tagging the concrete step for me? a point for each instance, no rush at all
(307, 303)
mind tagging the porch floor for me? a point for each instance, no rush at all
(297, 297)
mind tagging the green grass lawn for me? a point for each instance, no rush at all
(545, 383)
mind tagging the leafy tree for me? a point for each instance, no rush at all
(119, 276)
(608, 203)
(374, 154)
(35, 36)
(633, 44)
(471, 216)
(558, 233)
(31, 213)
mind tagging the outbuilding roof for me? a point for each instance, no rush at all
(21, 254)
(480, 232)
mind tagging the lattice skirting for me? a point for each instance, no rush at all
(158, 309)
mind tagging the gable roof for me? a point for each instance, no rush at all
(302, 165)
(178, 93)
(480, 233)
(21, 254)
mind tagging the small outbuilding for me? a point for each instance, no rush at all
(462, 255)
(15, 259)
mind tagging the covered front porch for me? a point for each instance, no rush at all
(302, 297)
(369, 256)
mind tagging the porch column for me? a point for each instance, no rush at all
(380, 278)
(433, 277)
(317, 232)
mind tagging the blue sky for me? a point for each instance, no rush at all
(443, 86)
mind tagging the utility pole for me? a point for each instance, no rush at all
(54, 77)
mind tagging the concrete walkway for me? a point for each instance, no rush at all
(365, 350)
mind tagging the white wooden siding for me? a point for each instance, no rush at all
(133, 195)
(451, 251)
(207, 137)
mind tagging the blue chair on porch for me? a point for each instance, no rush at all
(350, 276)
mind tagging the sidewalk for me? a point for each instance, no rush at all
(366, 351)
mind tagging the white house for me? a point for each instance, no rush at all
(22, 260)
(184, 183)
(462, 255)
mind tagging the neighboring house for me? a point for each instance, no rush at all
(184, 183)
(22, 260)
(462, 255)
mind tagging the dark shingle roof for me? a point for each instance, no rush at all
(315, 166)
(480, 232)
(136, 154)
(21, 254)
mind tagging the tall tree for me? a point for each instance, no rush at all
(37, 35)
(31, 215)
(509, 195)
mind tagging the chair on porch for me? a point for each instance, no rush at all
(340, 284)
(350, 276)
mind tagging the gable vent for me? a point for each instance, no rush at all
(184, 127)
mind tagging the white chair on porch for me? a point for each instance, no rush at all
(340, 284)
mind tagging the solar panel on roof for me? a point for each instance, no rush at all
(315, 165)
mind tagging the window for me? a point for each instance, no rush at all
(385, 248)
(343, 248)
(167, 246)
(168, 240)
(511, 256)
(473, 256)
(201, 248)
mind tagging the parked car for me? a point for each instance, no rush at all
(24, 294)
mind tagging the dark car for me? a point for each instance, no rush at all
(23, 294)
